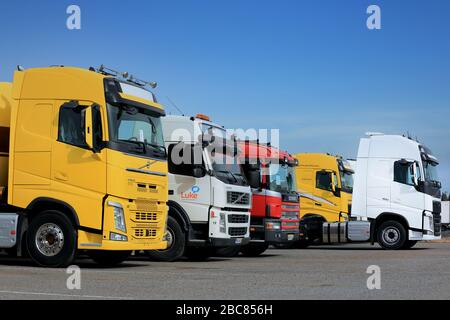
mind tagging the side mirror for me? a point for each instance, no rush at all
(415, 175)
(253, 178)
(333, 182)
(198, 172)
(88, 136)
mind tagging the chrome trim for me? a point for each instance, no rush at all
(315, 198)
(154, 173)
(90, 244)
(143, 157)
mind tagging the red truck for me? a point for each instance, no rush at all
(275, 201)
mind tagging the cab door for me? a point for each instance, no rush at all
(405, 198)
(192, 191)
(326, 200)
(78, 173)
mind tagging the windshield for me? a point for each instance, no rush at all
(281, 178)
(136, 130)
(346, 181)
(430, 171)
(227, 169)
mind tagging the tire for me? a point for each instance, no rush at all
(108, 258)
(254, 250)
(176, 243)
(409, 244)
(199, 254)
(228, 252)
(391, 235)
(51, 239)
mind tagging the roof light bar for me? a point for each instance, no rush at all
(126, 76)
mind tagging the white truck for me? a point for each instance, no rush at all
(396, 195)
(209, 197)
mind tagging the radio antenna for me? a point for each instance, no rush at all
(175, 106)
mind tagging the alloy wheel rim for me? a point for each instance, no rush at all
(49, 239)
(391, 235)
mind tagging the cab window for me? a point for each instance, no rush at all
(323, 180)
(71, 125)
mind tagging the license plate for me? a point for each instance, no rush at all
(290, 237)
(239, 241)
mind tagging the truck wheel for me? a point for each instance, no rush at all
(108, 258)
(198, 254)
(52, 239)
(228, 252)
(409, 244)
(176, 242)
(391, 235)
(254, 250)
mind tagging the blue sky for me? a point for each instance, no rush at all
(310, 68)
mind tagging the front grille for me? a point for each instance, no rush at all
(146, 205)
(145, 233)
(238, 218)
(236, 232)
(437, 224)
(289, 214)
(234, 197)
(146, 216)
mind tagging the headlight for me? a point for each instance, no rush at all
(119, 216)
(223, 223)
(273, 226)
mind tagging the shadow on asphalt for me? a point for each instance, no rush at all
(343, 248)
(82, 262)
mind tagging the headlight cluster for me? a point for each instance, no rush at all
(119, 216)
(223, 223)
(273, 225)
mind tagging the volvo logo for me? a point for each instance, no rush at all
(148, 164)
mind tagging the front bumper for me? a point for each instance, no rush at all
(286, 233)
(220, 242)
(281, 236)
(145, 222)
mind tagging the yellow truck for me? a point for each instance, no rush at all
(83, 167)
(325, 184)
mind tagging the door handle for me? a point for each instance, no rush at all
(61, 176)
(317, 204)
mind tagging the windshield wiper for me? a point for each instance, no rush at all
(139, 143)
(227, 172)
(162, 149)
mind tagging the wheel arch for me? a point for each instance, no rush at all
(386, 216)
(177, 212)
(43, 203)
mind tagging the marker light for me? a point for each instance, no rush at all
(203, 117)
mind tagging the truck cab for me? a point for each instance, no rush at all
(87, 167)
(397, 189)
(275, 209)
(325, 185)
(209, 197)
